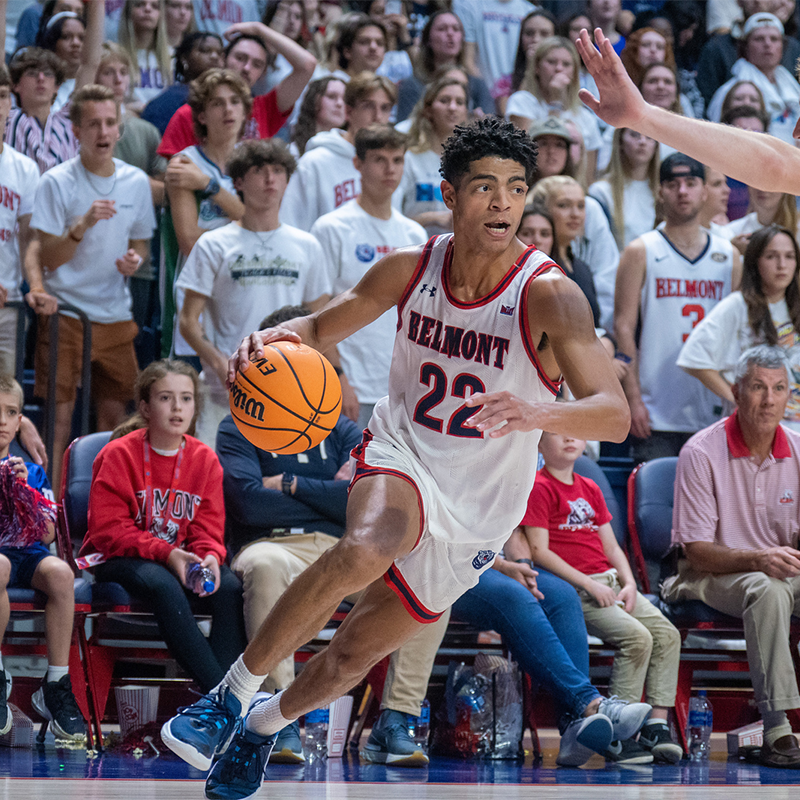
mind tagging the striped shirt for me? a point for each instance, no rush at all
(723, 496)
(48, 146)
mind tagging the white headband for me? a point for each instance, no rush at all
(61, 15)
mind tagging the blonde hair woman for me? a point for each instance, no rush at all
(550, 88)
(442, 107)
(565, 201)
(143, 33)
(629, 187)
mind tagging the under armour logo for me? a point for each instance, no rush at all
(431, 291)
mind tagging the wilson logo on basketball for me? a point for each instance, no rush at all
(249, 405)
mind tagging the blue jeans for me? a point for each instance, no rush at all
(548, 638)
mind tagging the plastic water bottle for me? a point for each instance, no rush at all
(699, 725)
(422, 725)
(200, 579)
(316, 725)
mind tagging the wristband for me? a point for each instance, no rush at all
(527, 561)
(286, 482)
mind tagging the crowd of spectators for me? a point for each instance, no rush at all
(172, 171)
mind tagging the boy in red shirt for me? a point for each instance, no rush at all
(567, 525)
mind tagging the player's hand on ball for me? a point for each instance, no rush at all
(501, 413)
(252, 347)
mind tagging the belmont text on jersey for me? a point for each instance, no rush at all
(454, 342)
(684, 287)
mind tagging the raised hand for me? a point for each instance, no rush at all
(620, 103)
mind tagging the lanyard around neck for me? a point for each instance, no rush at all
(148, 485)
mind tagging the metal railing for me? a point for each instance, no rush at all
(86, 369)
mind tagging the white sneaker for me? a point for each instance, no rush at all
(583, 738)
(626, 718)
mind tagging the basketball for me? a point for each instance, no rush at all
(288, 401)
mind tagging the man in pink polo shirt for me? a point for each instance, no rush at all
(736, 517)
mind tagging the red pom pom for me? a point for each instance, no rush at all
(24, 512)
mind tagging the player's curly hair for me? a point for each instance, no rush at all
(489, 136)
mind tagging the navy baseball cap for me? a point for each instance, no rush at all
(679, 165)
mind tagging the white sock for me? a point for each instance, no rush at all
(56, 673)
(266, 718)
(242, 683)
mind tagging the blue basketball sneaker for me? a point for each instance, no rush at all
(198, 732)
(239, 772)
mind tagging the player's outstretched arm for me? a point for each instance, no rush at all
(379, 290)
(763, 162)
(558, 309)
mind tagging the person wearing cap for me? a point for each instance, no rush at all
(596, 247)
(670, 278)
(721, 51)
(763, 44)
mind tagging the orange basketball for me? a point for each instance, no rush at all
(288, 401)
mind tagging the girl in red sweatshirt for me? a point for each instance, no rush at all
(155, 509)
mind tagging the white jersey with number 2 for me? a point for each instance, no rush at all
(676, 295)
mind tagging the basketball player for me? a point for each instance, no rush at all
(670, 278)
(486, 330)
(763, 162)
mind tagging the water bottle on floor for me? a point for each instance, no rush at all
(316, 729)
(698, 727)
(422, 726)
(199, 578)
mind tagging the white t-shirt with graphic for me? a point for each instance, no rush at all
(19, 177)
(353, 241)
(247, 275)
(90, 280)
(422, 188)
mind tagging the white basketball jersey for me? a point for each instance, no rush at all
(676, 295)
(445, 351)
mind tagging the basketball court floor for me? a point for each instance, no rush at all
(55, 774)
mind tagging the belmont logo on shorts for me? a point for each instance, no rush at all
(483, 558)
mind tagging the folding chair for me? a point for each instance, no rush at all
(650, 504)
(110, 602)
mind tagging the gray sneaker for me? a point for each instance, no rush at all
(390, 743)
(628, 751)
(288, 746)
(626, 718)
(583, 738)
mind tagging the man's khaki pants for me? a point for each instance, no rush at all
(765, 605)
(266, 569)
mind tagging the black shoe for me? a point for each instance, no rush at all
(627, 751)
(655, 738)
(5, 712)
(55, 702)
